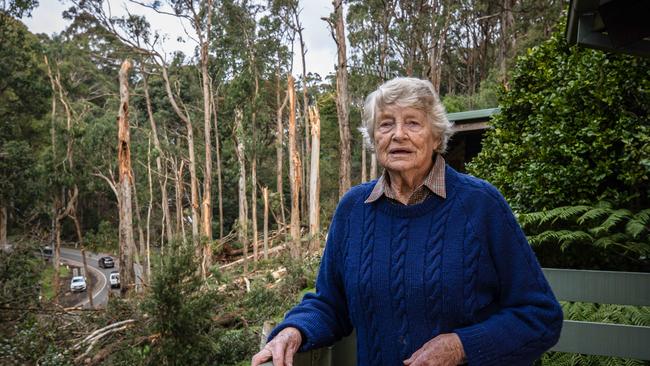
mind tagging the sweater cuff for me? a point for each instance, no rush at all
(477, 344)
(306, 345)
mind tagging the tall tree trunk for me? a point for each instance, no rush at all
(72, 213)
(206, 206)
(294, 173)
(507, 37)
(265, 193)
(342, 101)
(305, 109)
(180, 217)
(254, 151)
(243, 205)
(215, 106)
(279, 137)
(127, 244)
(162, 169)
(373, 165)
(314, 181)
(147, 269)
(3, 226)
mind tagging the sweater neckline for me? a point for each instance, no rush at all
(419, 209)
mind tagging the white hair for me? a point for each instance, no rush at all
(407, 92)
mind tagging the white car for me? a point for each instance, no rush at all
(114, 279)
(78, 283)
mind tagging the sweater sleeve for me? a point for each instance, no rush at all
(529, 319)
(322, 317)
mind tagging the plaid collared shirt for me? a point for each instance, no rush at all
(433, 183)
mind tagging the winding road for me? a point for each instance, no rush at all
(102, 288)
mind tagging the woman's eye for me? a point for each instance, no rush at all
(413, 123)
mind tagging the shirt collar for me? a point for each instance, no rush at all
(434, 181)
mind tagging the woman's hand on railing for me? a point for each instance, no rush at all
(443, 350)
(280, 349)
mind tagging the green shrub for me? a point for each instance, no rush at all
(574, 128)
(180, 309)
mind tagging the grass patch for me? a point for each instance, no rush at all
(47, 277)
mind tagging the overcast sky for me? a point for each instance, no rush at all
(321, 50)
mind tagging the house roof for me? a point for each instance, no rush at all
(476, 120)
(610, 25)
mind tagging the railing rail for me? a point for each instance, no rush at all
(603, 287)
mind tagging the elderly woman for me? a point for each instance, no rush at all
(427, 264)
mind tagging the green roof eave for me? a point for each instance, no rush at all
(476, 115)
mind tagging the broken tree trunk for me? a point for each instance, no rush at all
(342, 101)
(243, 204)
(314, 181)
(127, 243)
(279, 136)
(294, 173)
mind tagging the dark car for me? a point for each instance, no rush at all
(106, 262)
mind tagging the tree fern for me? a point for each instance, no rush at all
(601, 226)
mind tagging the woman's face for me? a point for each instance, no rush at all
(404, 140)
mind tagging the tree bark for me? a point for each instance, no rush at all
(294, 173)
(206, 206)
(342, 101)
(279, 137)
(243, 205)
(127, 244)
(373, 166)
(215, 106)
(314, 181)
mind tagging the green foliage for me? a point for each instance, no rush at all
(24, 93)
(574, 128)
(20, 273)
(104, 239)
(600, 235)
(180, 309)
(235, 345)
(485, 97)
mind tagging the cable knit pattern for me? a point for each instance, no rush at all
(471, 251)
(403, 274)
(398, 249)
(432, 269)
(366, 283)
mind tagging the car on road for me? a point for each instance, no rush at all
(106, 262)
(114, 279)
(78, 284)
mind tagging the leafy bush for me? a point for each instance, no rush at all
(574, 128)
(180, 309)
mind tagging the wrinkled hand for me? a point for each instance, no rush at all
(280, 349)
(443, 350)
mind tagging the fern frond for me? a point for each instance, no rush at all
(612, 220)
(594, 213)
(558, 213)
(639, 223)
(563, 237)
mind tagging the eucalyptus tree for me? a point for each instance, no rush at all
(24, 100)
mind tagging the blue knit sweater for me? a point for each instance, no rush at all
(401, 275)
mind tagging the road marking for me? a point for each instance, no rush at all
(97, 291)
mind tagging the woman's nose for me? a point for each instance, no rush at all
(400, 131)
